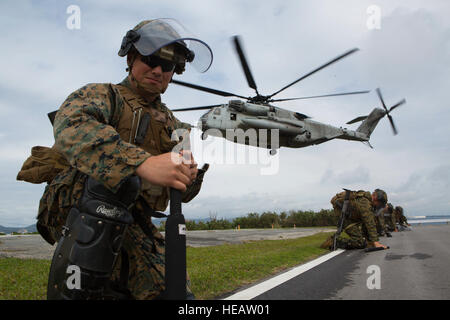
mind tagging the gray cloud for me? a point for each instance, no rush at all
(43, 62)
(356, 176)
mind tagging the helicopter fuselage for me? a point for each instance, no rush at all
(259, 124)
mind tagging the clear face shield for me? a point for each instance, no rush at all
(159, 33)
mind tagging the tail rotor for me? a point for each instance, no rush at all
(388, 111)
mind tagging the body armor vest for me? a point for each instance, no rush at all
(151, 129)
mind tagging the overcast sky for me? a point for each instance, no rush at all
(406, 53)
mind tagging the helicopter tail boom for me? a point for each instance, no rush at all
(369, 123)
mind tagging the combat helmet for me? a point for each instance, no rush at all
(390, 207)
(381, 196)
(169, 40)
(399, 210)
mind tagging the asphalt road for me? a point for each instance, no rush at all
(33, 246)
(415, 267)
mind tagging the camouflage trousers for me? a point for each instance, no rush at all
(355, 239)
(146, 257)
(381, 226)
(390, 226)
(145, 254)
(145, 261)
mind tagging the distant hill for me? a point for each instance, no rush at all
(30, 228)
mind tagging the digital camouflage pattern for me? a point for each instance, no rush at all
(146, 263)
(399, 216)
(389, 217)
(359, 227)
(90, 132)
(378, 211)
(380, 221)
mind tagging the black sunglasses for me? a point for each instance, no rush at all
(153, 61)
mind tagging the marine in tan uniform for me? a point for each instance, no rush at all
(359, 229)
(379, 203)
(111, 132)
(389, 218)
(400, 217)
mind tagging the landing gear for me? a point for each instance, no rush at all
(204, 136)
(273, 152)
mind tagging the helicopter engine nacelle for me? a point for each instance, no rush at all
(249, 108)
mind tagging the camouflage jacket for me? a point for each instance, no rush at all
(366, 217)
(360, 212)
(89, 134)
(399, 216)
(389, 218)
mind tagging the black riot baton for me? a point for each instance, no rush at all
(375, 249)
(175, 275)
(175, 251)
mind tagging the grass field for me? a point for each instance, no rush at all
(213, 271)
(23, 279)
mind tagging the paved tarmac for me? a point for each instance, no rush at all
(33, 246)
(416, 267)
(218, 237)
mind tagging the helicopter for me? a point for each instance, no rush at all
(294, 129)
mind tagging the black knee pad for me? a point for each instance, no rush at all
(92, 237)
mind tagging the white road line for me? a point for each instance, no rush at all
(429, 221)
(17, 235)
(262, 287)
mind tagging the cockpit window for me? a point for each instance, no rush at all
(217, 111)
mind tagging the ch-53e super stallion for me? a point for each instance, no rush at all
(296, 130)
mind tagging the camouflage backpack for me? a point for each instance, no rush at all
(354, 202)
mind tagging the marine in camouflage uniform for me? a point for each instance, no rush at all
(359, 226)
(380, 223)
(111, 162)
(97, 135)
(379, 202)
(389, 216)
(400, 217)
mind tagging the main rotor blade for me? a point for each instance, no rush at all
(392, 124)
(248, 73)
(381, 98)
(210, 90)
(315, 70)
(197, 108)
(396, 105)
(325, 95)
